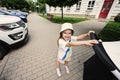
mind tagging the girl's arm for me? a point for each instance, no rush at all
(78, 43)
(84, 35)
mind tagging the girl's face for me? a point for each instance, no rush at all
(67, 34)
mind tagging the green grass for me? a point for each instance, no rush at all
(111, 32)
(44, 16)
(57, 19)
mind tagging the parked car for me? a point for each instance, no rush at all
(18, 12)
(109, 54)
(2, 12)
(13, 32)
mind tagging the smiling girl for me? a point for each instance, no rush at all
(65, 41)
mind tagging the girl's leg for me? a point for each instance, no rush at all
(58, 64)
(66, 63)
(58, 68)
(66, 67)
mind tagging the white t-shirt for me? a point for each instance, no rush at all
(63, 51)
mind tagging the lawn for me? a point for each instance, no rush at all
(57, 19)
(111, 32)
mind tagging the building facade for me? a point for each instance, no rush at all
(105, 9)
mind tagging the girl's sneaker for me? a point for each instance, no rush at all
(67, 69)
(58, 72)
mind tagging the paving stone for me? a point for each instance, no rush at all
(37, 59)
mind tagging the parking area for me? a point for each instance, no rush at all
(37, 59)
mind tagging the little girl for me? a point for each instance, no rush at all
(65, 41)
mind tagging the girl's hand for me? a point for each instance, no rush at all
(91, 42)
(90, 32)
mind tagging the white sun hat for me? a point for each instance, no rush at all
(66, 26)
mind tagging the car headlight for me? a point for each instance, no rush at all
(16, 36)
(9, 26)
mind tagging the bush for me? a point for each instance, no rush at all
(57, 19)
(111, 32)
(117, 18)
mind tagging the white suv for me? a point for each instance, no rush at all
(13, 31)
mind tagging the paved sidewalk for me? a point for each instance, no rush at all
(37, 59)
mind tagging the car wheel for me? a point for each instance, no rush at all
(3, 52)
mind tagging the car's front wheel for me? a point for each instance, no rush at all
(3, 52)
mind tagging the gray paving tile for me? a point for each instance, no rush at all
(37, 59)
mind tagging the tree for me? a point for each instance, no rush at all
(21, 4)
(15, 4)
(40, 1)
(42, 6)
(61, 4)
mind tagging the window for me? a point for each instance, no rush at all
(68, 8)
(90, 5)
(93, 2)
(78, 5)
(2, 13)
(54, 9)
(49, 8)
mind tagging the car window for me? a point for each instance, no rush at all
(2, 13)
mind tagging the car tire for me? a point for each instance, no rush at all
(3, 52)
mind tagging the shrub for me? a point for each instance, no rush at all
(111, 32)
(117, 18)
(57, 19)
